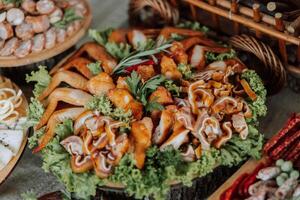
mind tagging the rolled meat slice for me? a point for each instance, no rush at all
(29, 6)
(2, 42)
(2, 16)
(50, 38)
(15, 16)
(38, 43)
(70, 29)
(24, 31)
(61, 4)
(61, 35)
(39, 23)
(6, 31)
(45, 7)
(24, 49)
(56, 15)
(10, 47)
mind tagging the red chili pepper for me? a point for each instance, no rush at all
(134, 67)
(251, 179)
(230, 193)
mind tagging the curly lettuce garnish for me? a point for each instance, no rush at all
(95, 68)
(185, 70)
(34, 113)
(258, 107)
(42, 79)
(237, 150)
(172, 88)
(211, 57)
(119, 51)
(103, 105)
(161, 167)
(196, 26)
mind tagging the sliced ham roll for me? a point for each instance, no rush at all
(10, 47)
(6, 31)
(24, 49)
(38, 43)
(45, 7)
(50, 38)
(24, 31)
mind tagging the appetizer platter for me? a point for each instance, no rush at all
(13, 136)
(276, 176)
(35, 30)
(145, 109)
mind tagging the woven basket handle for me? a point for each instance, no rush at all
(167, 10)
(276, 74)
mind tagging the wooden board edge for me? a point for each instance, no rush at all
(12, 61)
(5, 172)
(248, 167)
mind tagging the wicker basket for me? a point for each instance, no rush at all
(230, 18)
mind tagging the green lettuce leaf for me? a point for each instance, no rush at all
(34, 113)
(172, 88)
(185, 70)
(237, 150)
(211, 57)
(258, 107)
(42, 79)
(95, 68)
(192, 25)
(117, 50)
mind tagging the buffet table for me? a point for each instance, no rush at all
(29, 175)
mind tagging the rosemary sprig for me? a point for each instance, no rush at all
(138, 57)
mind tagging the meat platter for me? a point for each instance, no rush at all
(145, 109)
(13, 135)
(33, 31)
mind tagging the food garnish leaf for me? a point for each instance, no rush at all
(101, 104)
(34, 113)
(172, 88)
(95, 68)
(100, 36)
(17, 3)
(185, 70)
(118, 51)
(192, 25)
(258, 107)
(138, 57)
(42, 79)
(141, 90)
(134, 82)
(211, 57)
(69, 17)
(153, 105)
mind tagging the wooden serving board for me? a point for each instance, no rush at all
(4, 173)
(248, 167)
(13, 61)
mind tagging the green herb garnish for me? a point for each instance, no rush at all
(141, 90)
(95, 68)
(138, 57)
(211, 57)
(69, 17)
(185, 70)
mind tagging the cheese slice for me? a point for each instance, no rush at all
(5, 156)
(12, 139)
